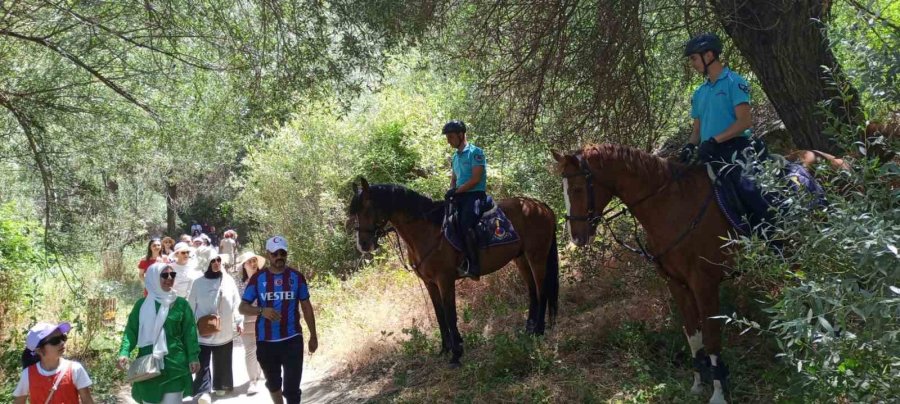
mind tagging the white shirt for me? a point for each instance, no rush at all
(79, 377)
(203, 301)
(186, 275)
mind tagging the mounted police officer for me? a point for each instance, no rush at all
(467, 188)
(720, 106)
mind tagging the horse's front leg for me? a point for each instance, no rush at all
(435, 293)
(448, 298)
(708, 303)
(691, 317)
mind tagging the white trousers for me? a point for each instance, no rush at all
(248, 337)
(169, 398)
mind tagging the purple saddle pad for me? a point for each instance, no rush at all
(493, 229)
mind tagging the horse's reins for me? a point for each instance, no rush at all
(382, 230)
(594, 219)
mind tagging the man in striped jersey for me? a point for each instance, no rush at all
(280, 292)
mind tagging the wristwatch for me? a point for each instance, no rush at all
(259, 312)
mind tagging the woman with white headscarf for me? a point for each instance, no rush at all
(162, 324)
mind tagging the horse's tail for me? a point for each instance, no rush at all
(551, 281)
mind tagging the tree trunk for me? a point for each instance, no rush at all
(171, 194)
(786, 45)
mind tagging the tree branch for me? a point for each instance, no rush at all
(27, 125)
(80, 63)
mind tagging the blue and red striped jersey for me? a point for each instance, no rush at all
(282, 292)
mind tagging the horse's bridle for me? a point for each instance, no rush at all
(380, 229)
(594, 219)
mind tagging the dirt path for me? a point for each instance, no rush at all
(318, 386)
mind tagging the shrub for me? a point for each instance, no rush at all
(834, 292)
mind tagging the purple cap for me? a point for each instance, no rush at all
(41, 331)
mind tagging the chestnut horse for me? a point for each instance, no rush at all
(417, 220)
(684, 227)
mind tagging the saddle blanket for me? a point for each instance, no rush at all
(493, 229)
(746, 207)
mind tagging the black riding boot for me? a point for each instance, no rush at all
(473, 269)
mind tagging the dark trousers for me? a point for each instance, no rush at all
(287, 356)
(749, 193)
(465, 209)
(222, 377)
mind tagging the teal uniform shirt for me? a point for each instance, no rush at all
(463, 163)
(713, 103)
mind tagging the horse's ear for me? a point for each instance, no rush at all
(365, 185)
(559, 157)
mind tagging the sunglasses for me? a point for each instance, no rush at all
(169, 275)
(216, 260)
(59, 339)
(279, 253)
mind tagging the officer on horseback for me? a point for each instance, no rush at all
(720, 107)
(467, 189)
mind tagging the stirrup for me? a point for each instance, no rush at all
(463, 271)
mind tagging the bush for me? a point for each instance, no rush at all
(833, 298)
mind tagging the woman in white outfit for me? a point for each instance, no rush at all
(228, 248)
(216, 294)
(248, 264)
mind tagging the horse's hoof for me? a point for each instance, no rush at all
(697, 389)
(454, 365)
(717, 400)
(718, 397)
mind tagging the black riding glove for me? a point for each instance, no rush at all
(707, 150)
(687, 153)
(450, 193)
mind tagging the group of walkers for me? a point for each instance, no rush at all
(192, 310)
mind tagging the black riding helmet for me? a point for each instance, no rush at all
(454, 126)
(702, 43)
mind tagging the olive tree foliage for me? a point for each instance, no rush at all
(833, 291)
(96, 94)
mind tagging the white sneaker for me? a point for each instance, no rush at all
(220, 393)
(253, 388)
(204, 399)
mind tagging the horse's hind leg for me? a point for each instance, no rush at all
(688, 307)
(537, 261)
(525, 273)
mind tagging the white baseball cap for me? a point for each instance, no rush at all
(276, 243)
(41, 331)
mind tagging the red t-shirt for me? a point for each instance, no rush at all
(142, 267)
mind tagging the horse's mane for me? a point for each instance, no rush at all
(392, 198)
(645, 164)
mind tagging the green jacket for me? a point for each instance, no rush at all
(184, 349)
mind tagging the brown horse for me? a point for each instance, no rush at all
(418, 219)
(675, 205)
